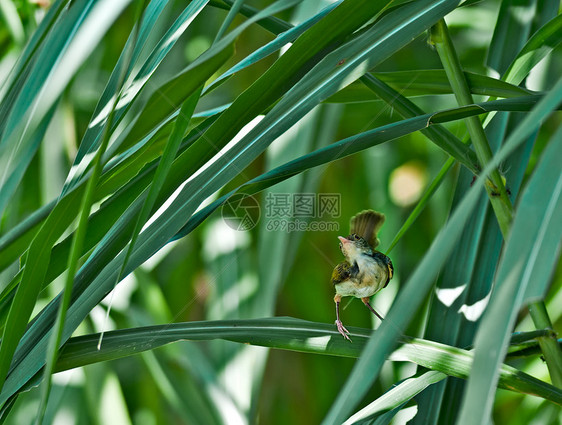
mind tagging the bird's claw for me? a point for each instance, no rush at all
(342, 330)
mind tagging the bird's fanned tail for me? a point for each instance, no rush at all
(367, 224)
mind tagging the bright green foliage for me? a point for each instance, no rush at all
(131, 131)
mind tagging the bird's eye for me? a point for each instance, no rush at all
(341, 245)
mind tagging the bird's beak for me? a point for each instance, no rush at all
(343, 240)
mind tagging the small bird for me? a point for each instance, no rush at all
(365, 270)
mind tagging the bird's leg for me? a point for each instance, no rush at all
(366, 302)
(341, 329)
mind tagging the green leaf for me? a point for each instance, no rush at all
(185, 395)
(332, 152)
(288, 334)
(32, 278)
(489, 248)
(328, 75)
(170, 96)
(112, 209)
(79, 234)
(536, 220)
(437, 134)
(92, 137)
(36, 274)
(466, 275)
(159, 237)
(155, 237)
(38, 253)
(17, 77)
(352, 145)
(12, 248)
(538, 46)
(269, 23)
(510, 32)
(62, 53)
(229, 18)
(427, 82)
(192, 381)
(340, 23)
(10, 16)
(17, 239)
(396, 396)
(289, 35)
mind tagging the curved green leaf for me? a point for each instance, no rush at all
(538, 46)
(427, 82)
(288, 334)
(352, 145)
(396, 396)
(10, 16)
(437, 134)
(510, 32)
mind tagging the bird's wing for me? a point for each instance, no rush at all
(344, 271)
(367, 224)
(340, 273)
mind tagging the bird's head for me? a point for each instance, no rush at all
(353, 246)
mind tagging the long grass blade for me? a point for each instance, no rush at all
(288, 334)
(396, 396)
(510, 32)
(36, 274)
(332, 152)
(515, 273)
(79, 235)
(10, 89)
(539, 45)
(422, 82)
(289, 35)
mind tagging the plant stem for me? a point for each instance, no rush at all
(495, 187)
(445, 48)
(549, 343)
